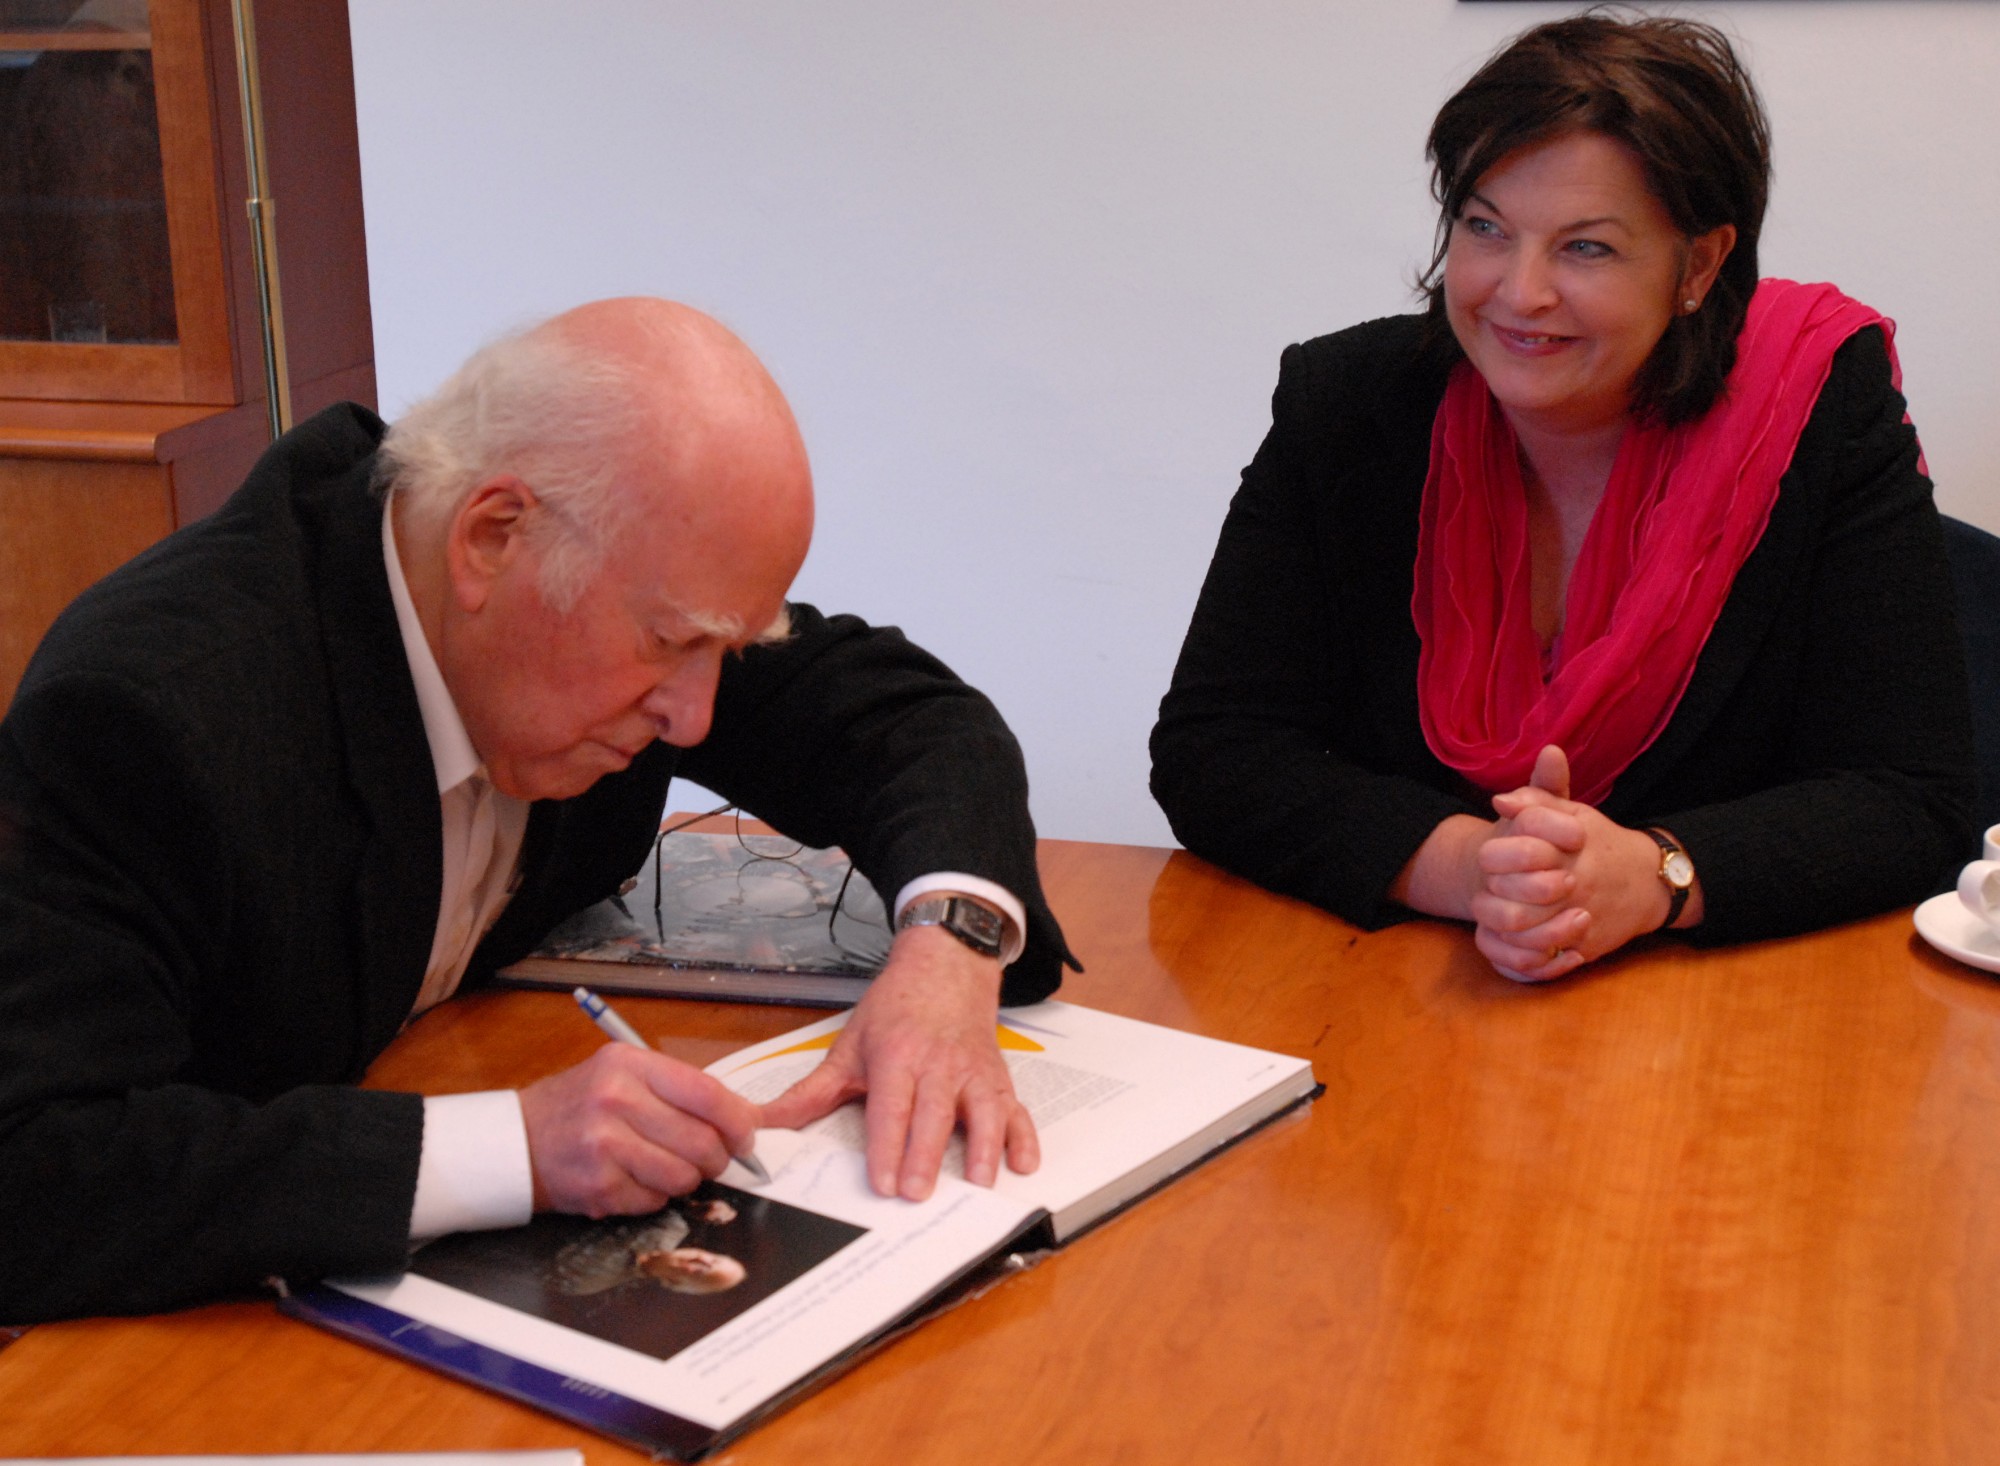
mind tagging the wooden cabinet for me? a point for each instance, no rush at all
(131, 357)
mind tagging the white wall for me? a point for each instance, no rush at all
(1025, 267)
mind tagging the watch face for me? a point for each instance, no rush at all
(1678, 869)
(978, 922)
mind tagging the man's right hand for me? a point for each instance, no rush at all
(628, 1128)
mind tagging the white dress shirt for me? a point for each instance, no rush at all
(474, 1173)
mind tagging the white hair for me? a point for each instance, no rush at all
(567, 422)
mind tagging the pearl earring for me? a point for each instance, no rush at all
(1690, 305)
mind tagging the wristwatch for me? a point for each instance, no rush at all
(972, 921)
(1676, 874)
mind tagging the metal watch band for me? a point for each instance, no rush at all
(971, 920)
(1676, 873)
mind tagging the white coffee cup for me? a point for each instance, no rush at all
(1979, 889)
(1989, 847)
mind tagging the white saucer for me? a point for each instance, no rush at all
(1944, 922)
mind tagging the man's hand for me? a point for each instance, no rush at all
(921, 1046)
(628, 1128)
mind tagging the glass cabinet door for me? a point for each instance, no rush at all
(83, 201)
(112, 275)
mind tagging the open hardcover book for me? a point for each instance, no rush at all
(741, 917)
(677, 1331)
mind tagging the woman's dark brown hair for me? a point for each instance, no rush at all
(1674, 93)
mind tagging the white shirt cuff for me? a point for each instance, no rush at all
(985, 890)
(473, 1174)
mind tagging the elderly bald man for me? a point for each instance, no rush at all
(308, 767)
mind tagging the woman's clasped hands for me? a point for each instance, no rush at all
(1557, 884)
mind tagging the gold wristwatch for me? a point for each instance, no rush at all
(1676, 874)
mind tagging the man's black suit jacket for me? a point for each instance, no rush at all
(1818, 767)
(220, 862)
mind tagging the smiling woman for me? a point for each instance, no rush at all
(1562, 274)
(1604, 596)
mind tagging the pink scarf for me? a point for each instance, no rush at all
(1682, 511)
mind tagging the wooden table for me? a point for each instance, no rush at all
(1692, 1207)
